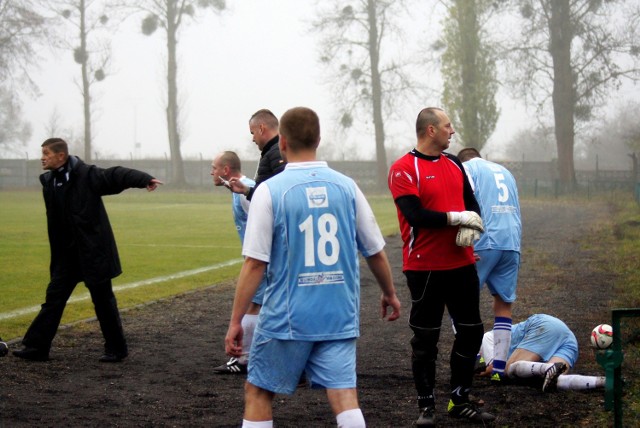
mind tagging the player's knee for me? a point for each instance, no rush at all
(424, 344)
(469, 338)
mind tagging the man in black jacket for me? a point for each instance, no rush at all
(263, 126)
(82, 246)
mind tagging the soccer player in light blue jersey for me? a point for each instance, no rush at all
(225, 166)
(542, 346)
(306, 226)
(498, 248)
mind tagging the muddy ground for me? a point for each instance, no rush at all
(168, 379)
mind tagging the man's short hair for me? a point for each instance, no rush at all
(265, 116)
(468, 153)
(301, 127)
(56, 145)
(231, 160)
(427, 116)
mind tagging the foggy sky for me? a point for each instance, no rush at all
(257, 54)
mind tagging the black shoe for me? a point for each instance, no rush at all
(303, 380)
(233, 366)
(551, 376)
(427, 417)
(4, 348)
(32, 354)
(113, 357)
(469, 412)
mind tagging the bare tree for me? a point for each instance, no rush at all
(629, 120)
(89, 20)
(14, 130)
(573, 53)
(170, 15)
(531, 145)
(22, 29)
(364, 73)
(469, 72)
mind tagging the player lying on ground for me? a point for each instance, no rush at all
(541, 346)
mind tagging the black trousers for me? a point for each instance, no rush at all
(431, 291)
(44, 327)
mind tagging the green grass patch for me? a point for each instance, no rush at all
(159, 234)
(626, 264)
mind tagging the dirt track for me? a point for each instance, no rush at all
(168, 380)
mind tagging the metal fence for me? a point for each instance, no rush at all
(534, 178)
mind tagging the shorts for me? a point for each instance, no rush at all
(546, 336)
(499, 270)
(276, 365)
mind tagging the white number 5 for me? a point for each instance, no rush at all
(503, 195)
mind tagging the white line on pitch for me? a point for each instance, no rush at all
(86, 295)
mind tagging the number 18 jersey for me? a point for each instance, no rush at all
(308, 223)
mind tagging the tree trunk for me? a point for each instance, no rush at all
(376, 94)
(177, 167)
(86, 94)
(469, 44)
(564, 92)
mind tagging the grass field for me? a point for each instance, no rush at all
(160, 235)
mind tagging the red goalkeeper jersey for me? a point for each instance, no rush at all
(439, 183)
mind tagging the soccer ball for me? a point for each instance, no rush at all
(602, 336)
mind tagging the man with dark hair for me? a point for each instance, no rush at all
(435, 205)
(263, 126)
(311, 222)
(83, 248)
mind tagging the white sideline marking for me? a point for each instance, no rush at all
(87, 296)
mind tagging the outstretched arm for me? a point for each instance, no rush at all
(153, 184)
(381, 269)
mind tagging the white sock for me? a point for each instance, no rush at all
(579, 382)
(351, 419)
(501, 343)
(248, 326)
(259, 424)
(527, 369)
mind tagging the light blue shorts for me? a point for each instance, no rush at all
(546, 336)
(276, 365)
(499, 270)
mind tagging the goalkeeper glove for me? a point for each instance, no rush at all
(465, 218)
(466, 236)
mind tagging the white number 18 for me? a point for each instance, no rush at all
(328, 245)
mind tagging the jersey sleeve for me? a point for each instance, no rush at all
(401, 182)
(368, 234)
(259, 234)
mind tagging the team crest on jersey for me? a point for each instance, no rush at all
(399, 174)
(317, 197)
